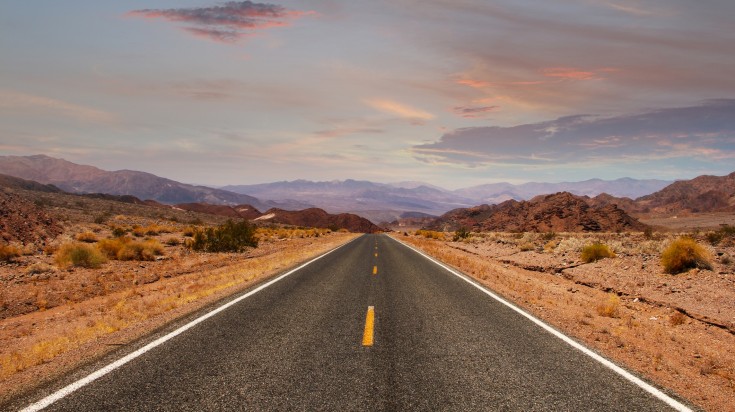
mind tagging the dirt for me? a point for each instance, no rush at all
(677, 331)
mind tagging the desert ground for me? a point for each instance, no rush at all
(677, 331)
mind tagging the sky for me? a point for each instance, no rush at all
(450, 92)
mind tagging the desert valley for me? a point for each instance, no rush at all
(92, 260)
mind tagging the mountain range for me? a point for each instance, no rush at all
(379, 202)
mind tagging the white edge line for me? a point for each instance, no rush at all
(61, 393)
(571, 342)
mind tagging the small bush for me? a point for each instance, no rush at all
(87, 237)
(39, 267)
(684, 254)
(548, 236)
(8, 253)
(172, 241)
(189, 231)
(596, 251)
(229, 237)
(610, 308)
(124, 248)
(527, 247)
(677, 319)
(461, 233)
(146, 250)
(118, 231)
(79, 254)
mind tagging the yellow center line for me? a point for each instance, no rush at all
(375, 270)
(367, 336)
(376, 255)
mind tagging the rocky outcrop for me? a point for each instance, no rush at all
(315, 217)
(560, 212)
(24, 222)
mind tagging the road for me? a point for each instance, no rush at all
(305, 343)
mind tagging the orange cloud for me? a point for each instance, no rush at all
(22, 101)
(573, 73)
(477, 84)
(399, 109)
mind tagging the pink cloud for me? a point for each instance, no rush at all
(228, 22)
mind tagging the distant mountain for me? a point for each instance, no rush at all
(500, 192)
(701, 194)
(377, 200)
(560, 212)
(75, 178)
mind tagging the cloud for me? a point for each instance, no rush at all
(403, 111)
(228, 22)
(347, 131)
(706, 131)
(473, 112)
(20, 101)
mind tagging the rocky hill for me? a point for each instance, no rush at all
(560, 212)
(701, 194)
(24, 222)
(314, 217)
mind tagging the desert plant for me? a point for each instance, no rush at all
(549, 236)
(596, 251)
(172, 241)
(528, 246)
(79, 254)
(229, 237)
(610, 308)
(8, 253)
(87, 237)
(146, 250)
(684, 254)
(461, 233)
(39, 267)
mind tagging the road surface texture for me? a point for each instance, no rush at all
(435, 343)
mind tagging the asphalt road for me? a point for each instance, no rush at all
(438, 344)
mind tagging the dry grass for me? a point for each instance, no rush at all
(8, 253)
(79, 254)
(684, 254)
(610, 308)
(124, 248)
(86, 237)
(596, 251)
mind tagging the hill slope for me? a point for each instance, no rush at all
(701, 194)
(560, 212)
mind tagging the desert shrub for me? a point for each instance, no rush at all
(87, 237)
(677, 319)
(39, 267)
(79, 254)
(118, 231)
(684, 254)
(138, 231)
(111, 247)
(461, 233)
(146, 250)
(229, 237)
(430, 234)
(596, 251)
(610, 308)
(526, 247)
(548, 236)
(172, 241)
(189, 231)
(8, 253)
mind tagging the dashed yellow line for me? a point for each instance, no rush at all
(375, 270)
(367, 336)
(376, 255)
